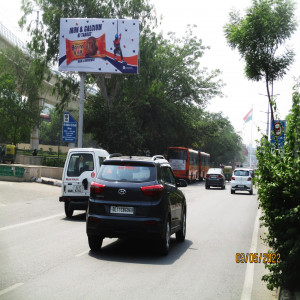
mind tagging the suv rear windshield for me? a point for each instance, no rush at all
(133, 173)
(241, 173)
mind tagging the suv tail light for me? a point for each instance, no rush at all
(220, 176)
(96, 189)
(249, 179)
(152, 190)
(232, 178)
(207, 176)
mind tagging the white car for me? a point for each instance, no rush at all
(241, 180)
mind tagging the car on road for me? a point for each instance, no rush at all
(215, 178)
(242, 180)
(136, 196)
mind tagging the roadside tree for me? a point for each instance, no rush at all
(20, 83)
(260, 38)
(279, 198)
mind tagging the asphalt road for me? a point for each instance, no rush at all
(43, 255)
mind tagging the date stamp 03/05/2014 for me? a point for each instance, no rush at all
(271, 258)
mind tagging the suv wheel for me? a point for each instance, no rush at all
(95, 242)
(251, 192)
(164, 242)
(180, 235)
(207, 187)
(232, 191)
(69, 211)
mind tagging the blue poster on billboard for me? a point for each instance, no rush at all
(69, 128)
(279, 130)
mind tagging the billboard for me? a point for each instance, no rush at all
(99, 45)
(280, 130)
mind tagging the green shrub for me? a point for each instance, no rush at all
(279, 199)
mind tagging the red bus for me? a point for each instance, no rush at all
(204, 164)
(188, 164)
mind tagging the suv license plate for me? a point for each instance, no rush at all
(240, 186)
(121, 210)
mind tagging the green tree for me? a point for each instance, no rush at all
(20, 83)
(156, 108)
(259, 38)
(218, 137)
(51, 132)
(279, 198)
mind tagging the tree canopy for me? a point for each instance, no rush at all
(159, 107)
(20, 84)
(259, 38)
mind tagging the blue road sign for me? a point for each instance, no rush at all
(280, 131)
(69, 128)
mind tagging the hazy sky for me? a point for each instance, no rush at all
(210, 18)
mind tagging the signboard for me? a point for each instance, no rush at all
(280, 130)
(99, 45)
(69, 131)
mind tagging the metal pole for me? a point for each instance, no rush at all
(81, 105)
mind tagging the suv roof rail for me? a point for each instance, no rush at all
(114, 155)
(155, 157)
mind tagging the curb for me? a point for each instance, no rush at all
(48, 181)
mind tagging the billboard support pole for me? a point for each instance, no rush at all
(81, 105)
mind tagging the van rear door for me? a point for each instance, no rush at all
(79, 173)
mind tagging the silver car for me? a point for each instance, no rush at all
(242, 181)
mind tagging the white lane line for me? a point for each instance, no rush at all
(248, 282)
(10, 288)
(30, 222)
(83, 253)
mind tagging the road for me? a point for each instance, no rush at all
(43, 255)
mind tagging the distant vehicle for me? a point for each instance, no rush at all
(228, 172)
(81, 167)
(238, 165)
(136, 197)
(188, 164)
(242, 181)
(215, 178)
(8, 153)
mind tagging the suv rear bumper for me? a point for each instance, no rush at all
(119, 226)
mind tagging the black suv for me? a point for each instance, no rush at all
(136, 197)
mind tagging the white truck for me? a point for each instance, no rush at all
(81, 167)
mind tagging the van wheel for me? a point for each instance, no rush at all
(164, 242)
(69, 211)
(95, 242)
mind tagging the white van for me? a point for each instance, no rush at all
(81, 167)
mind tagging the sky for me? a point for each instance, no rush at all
(210, 17)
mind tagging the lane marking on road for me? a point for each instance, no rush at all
(83, 253)
(10, 288)
(30, 222)
(248, 282)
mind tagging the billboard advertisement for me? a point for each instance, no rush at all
(279, 130)
(99, 45)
